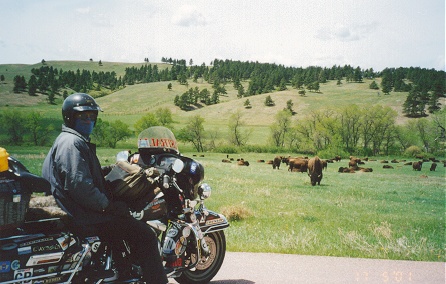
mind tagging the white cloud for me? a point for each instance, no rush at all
(85, 10)
(188, 16)
(346, 33)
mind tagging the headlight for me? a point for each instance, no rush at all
(204, 191)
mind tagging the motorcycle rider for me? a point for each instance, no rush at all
(77, 184)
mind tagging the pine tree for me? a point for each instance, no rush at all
(19, 84)
(269, 101)
(433, 104)
(282, 85)
(414, 105)
(374, 86)
(357, 75)
(32, 85)
(387, 81)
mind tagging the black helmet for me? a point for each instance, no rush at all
(75, 103)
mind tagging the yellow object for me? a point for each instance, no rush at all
(3, 160)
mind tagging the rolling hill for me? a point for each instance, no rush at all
(130, 103)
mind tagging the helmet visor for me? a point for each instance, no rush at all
(85, 108)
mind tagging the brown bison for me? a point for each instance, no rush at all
(417, 165)
(346, 170)
(315, 170)
(433, 167)
(242, 162)
(353, 164)
(276, 162)
(298, 164)
(324, 164)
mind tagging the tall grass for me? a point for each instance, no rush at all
(389, 213)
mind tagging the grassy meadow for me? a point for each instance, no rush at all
(389, 213)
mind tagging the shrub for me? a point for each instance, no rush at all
(331, 153)
(412, 151)
(235, 212)
(261, 149)
(226, 149)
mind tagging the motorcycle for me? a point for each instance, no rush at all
(191, 239)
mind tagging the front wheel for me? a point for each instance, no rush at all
(208, 267)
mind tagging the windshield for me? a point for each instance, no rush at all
(157, 137)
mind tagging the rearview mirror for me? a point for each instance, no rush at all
(122, 156)
(178, 166)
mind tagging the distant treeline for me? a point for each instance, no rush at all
(425, 86)
(50, 81)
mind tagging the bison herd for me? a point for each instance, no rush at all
(314, 166)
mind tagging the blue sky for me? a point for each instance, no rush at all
(370, 34)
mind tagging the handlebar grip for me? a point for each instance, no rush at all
(166, 180)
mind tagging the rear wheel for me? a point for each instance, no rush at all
(207, 267)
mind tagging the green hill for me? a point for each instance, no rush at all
(133, 101)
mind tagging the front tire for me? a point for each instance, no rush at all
(208, 267)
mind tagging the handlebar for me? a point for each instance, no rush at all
(166, 181)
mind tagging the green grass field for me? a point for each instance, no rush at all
(389, 213)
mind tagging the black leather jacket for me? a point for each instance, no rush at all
(76, 178)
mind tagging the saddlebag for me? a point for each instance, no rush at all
(14, 202)
(129, 183)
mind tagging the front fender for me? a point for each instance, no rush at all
(211, 221)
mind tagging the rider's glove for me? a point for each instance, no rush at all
(118, 208)
(152, 172)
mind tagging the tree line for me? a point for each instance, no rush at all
(50, 81)
(353, 130)
(424, 86)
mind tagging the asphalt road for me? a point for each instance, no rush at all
(249, 268)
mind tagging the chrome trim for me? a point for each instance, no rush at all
(215, 228)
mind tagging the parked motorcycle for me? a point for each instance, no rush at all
(191, 238)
